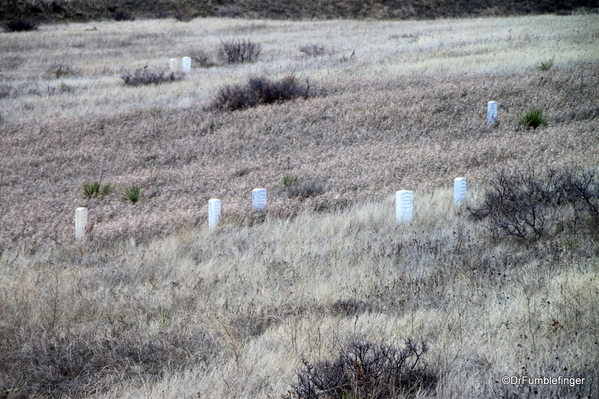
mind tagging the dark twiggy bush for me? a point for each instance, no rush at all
(259, 91)
(530, 205)
(20, 25)
(239, 51)
(147, 77)
(122, 15)
(366, 370)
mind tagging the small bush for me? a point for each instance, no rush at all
(146, 76)
(202, 59)
(259, 91)
(532, 118)
(131, 194)
(530, 205)
(183, 17)
(313, 50)
(59, 71)
(121, 15)
(239, 51)
(20, 25)
(367, 370)
(296, 187)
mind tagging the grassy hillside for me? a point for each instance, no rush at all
(152, 304)
(80, 10)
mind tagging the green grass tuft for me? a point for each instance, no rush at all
(131, 194)
(532, 118)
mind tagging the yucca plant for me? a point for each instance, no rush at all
(131, 194)
(532, 118)
(546, 65)
(91, 189)
(106, 189)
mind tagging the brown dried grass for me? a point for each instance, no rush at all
(154, 305)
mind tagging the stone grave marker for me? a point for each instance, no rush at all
(459, 190)
(213, 212)
(80, 222)
(186, 64)
(491, 112)
(259, 199)
(404, 206)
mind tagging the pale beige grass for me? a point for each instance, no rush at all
(99, 52)
(257, 299)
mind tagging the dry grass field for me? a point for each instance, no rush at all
(152, 304)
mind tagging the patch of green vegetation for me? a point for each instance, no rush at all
(532, 118)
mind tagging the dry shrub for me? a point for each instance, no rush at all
(20, 25)
(147, 77)
(122, 15)
(530, 204)
(239, 51)
(313, 50)
(259, 91)
(367, 370)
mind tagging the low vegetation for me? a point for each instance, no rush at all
(532, 118)
(20, 25)
(260, 91)
(239, 51)
(367, 370)
(323, 294)
(530, 204)
(145, 76)
(81, 10)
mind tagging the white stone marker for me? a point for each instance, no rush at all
(491, 112)
(259, 199)
(174, 64)
(459, 190)
(404, 205)
(213, 212)
(80, 222)
(186, 64)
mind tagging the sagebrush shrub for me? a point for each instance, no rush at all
(147, 76)
(260, 90)
(313, 50)
(122, 15)
(529, 205)
(366, 370)
(239, 51)
(20, 25)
